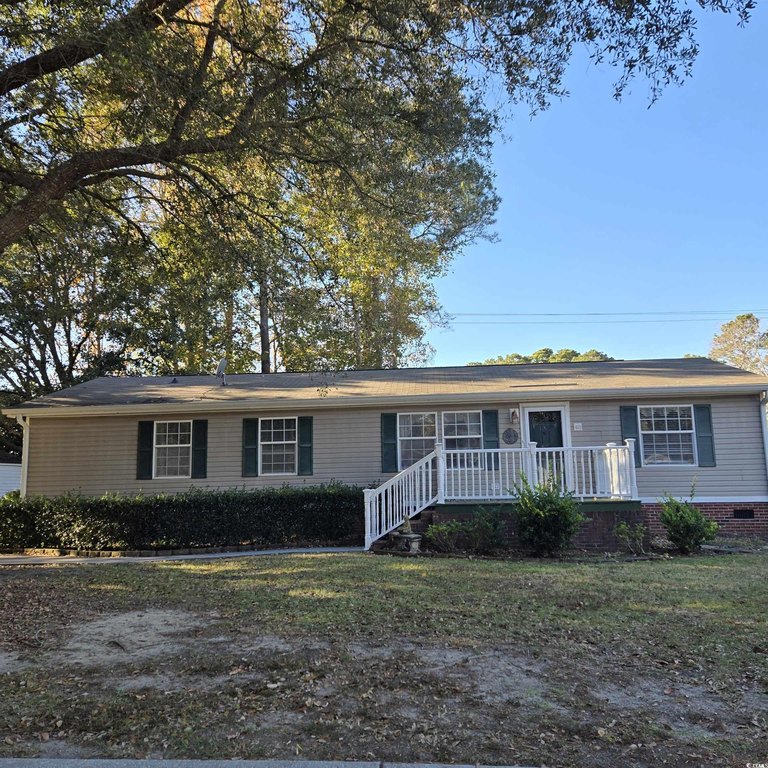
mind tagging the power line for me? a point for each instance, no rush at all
(586, 322)
(610, 314)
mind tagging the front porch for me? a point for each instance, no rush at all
(493, 475)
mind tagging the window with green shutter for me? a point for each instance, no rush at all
(173, 450)
(278, 449)
(676, 435)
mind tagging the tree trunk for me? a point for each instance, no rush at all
(266, 352)
(229, 329)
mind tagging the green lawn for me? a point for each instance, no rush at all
(358, 656)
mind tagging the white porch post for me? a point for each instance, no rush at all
(368, 503)
(630, 443)
(532, 472)
(440, 462)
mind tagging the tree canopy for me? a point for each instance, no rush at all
(145, 90)
(743, 343)
(546, 355)
(278, 181)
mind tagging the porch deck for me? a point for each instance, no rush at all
(495, 474)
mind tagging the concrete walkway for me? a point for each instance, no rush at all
(69, 560)
(44, 762)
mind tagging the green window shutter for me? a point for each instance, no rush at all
(631, 429)
(389, 442)
(490, 429)
(705, 439)
(250, 447)
(305, 445)
(199, 448)
(145, 448)
(491, 436)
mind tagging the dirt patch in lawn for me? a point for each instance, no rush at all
(127, 638)
(139, 683)
(678, 706)
(471, 663)
(11, 663)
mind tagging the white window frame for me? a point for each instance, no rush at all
(445, 437)
(691, 431)
(455, 437)
(414, 413)
(294, 442)
(155, 446)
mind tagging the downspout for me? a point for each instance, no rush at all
(24, 421)
(764, 425)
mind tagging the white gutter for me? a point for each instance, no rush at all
(376, 402)
(764, 425)
(24, 421)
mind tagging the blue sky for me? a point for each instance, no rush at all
(614, 207)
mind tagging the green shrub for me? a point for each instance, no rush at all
(546, 519)
(482, 534)
(631, 536)
(443, 537)
(686, 526)
(17, 522)
(485, 531)
(197, 518)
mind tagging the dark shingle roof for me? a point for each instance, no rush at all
(522, 381)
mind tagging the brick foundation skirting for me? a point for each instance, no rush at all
(597, 532)
(724, 513)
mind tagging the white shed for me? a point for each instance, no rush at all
(10, 478)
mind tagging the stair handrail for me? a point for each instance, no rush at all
(406, 494)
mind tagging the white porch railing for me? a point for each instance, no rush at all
(606, 472)
(404, 495)
(592, 472)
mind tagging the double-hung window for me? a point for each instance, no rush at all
(462, 431)
(416, 436)
(667, 434)
(278, 446)
(173, 449)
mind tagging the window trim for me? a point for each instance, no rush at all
(691, 432)
(294, 442)
(155, 446)
(400, 467)
(445, 437)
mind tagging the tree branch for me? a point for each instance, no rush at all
(70, 174)
(196, 85)
(147, 15)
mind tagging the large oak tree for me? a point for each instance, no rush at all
(93, 90)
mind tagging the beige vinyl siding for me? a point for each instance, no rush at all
(739, 451)
(98, 454)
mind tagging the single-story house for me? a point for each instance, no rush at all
(627, 431)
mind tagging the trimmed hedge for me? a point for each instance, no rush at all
(197, 518)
